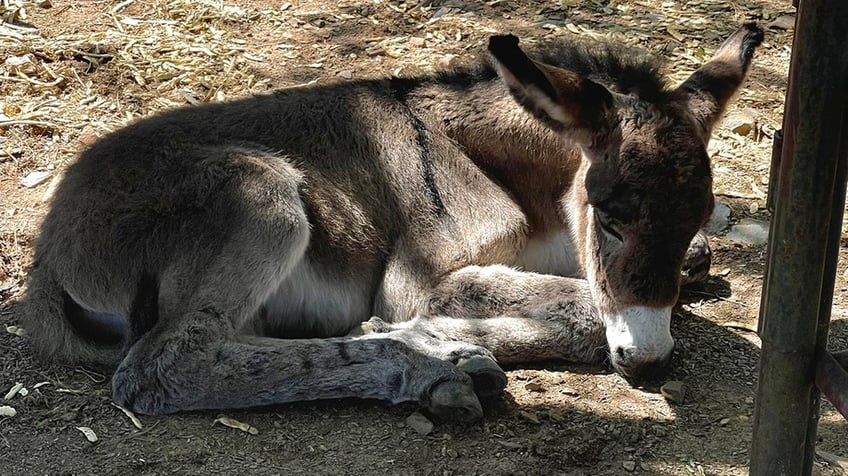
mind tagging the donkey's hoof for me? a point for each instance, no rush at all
(375, 325)
(454, 401)
(489, 379)
(696, 263)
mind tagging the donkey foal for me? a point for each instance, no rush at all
(230, 255)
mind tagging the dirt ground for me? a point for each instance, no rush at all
(95, 65)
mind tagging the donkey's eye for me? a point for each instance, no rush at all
(607, 225)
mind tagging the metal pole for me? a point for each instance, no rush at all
(802, 250)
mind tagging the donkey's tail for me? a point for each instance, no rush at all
(60, 331)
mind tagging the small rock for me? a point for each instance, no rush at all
(34, 179)
(741, 122)
(629, 465)
(7, 411)
(750, 231)
(451, 453)
(724, 421)
(534, 387)
(529, 416)
(420, 424)
(345, 74)
(416, 42)
(447, 61)
(674, 391)
(88, 136)
(719, 219)
(783, 22)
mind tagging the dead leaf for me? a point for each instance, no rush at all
(17, 330)
(134, 419)
(233, 423)
(14, 391)
(90, 435)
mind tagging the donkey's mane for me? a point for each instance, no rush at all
(625, 70)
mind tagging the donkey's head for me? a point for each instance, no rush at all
(644, 187)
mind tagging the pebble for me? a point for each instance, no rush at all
(7, 411)
(629, 465)
(719, 219)
(529, 416)
(783, 22)
(420, 424)
(345, 74)
(674, 390)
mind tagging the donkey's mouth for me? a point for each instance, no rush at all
(645, 372)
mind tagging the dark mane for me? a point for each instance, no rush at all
(622, 69)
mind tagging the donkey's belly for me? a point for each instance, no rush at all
(315, 302)
(553, 253)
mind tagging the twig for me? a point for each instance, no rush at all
(27, 123)
(715, 296)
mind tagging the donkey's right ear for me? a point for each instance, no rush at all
(568, 103)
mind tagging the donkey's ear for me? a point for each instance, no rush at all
(565, 101)
(710, 88)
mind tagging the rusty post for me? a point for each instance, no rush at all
(803, 244)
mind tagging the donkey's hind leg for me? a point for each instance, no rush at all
(190, 356)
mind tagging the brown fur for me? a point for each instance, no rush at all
(206, 241)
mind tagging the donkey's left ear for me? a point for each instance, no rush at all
(707, 92)
(566, 102)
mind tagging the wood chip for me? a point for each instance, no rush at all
(233, 423)
(741, 326)
(833, 459)
(34, 179)
(17, 330)
(90, 435)
(131, 415)
(14, 391)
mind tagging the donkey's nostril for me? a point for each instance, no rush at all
(619, 353)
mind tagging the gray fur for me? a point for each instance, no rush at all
(241, 245)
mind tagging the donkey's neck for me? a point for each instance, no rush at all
(511, 146)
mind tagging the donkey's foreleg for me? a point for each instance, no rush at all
(199, 365)
(518, 316)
